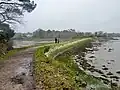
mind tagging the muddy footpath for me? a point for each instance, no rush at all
(16, 73)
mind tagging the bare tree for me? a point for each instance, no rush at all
(11, 11)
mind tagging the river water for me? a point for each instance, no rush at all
(20, 43)
(108, 56)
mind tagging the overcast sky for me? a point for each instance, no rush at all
(82, 15)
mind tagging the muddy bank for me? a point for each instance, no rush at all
(17, 72)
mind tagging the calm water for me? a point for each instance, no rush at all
(20, 43)
(111, 59)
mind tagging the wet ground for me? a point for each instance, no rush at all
(16, 73)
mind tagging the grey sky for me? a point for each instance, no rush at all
(82, 15)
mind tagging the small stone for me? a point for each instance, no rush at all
(87, 65)
(92, 57)
(112, 60)
(106, 82)
(109, 63)
(105, 68)
(114, 84)
(117, 80)
(23, 73)
(99, 71)
(118, 72)
(91, 69)
(109, 73)
(116, 77)
(92, 66)
(104, 79)
(105, 48)
(104, 75)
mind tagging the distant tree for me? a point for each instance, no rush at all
(39, 33)
(49, 31)
(71, 30)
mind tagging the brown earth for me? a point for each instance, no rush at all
(16, 73)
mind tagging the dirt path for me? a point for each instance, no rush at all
(16, 72)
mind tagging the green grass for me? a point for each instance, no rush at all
(50, 73)
(56, 73)
(12, 52)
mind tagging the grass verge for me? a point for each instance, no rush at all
(57, 70)
(12, 52)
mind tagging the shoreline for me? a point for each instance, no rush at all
(87, 66)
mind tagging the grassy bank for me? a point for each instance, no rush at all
(55, 68)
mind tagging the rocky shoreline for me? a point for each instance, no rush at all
(86, 64)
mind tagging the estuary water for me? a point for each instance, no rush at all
(107, 59)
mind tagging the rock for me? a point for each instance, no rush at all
(77, 60)
(91, 88)
(79, 57)
(109, 63)
(92, 57)
(117, 80)
(76, 56)
(106, 82)
(89, 49)
(95, 49)
(109, 73)
(116, 77)
(104, 75)
(105, 68)
(91, 69)
(112, 60)
(118, 72)
(92, 66)
(105, 48)
(109, 50)
(104, 79)
(99, 71)
(82, 58)
(88, 65)
(114, 84)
